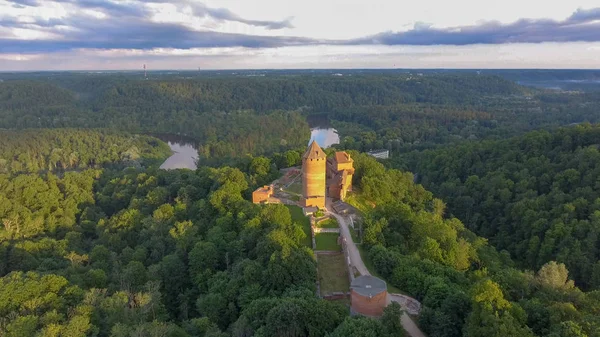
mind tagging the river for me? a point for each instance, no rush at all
(185, 152)
(185, 149)
(321, 131)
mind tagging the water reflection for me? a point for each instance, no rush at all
(185, 152)
(321, 131)
(324, 137)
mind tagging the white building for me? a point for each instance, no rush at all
(380, 154)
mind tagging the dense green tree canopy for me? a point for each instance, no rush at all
(96, 241)
(140, 252)
(466, 287)
(534, 195)
(54, 150)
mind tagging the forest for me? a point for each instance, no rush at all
(54, 150)
(535, 196)
(137, 251)
(108, 251)
(467, 287)
(232, 117)
(495, 231)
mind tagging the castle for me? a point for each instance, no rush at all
(322, 176)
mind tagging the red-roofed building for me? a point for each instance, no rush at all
(340, 168)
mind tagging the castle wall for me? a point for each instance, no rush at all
(318, 202)
(345, 166)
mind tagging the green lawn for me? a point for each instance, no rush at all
(360, 203)
(328, 223)
(295, 187)
(371, 268)
(327, 241)
(333, 274)
(298, 216)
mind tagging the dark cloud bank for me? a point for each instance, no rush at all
(581, 26)
(128, 26)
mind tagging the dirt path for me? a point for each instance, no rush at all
(353, 252)
(410, 326)
(407, 323)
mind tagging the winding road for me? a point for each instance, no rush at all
(407, 323)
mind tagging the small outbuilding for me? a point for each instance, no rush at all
(380, 154)
(262, 194)
(368, 296)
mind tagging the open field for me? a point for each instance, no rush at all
(295, 187)
(327, 241)
(328, 223)
(298, 216)
(333, 274)
(358, 201)
(291, 181)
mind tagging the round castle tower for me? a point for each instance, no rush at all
(368, 296)
(313, 176)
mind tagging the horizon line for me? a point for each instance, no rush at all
(286, 69)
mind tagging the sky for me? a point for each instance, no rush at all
(295, 34)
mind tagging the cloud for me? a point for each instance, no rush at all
(146, 36)
(134, 9)
(138, 8)
(585, 15)
(224, 14)
(131, 25)
(581, 26)
(23, 3)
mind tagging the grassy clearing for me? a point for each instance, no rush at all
(298, 216)
(360, 203)
(369, 264)
(327, 241)
(328, 223)
(295, 187)
(333, 274)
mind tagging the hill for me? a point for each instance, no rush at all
(536, 195)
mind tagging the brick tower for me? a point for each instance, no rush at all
(313, 176)
(368, 296)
